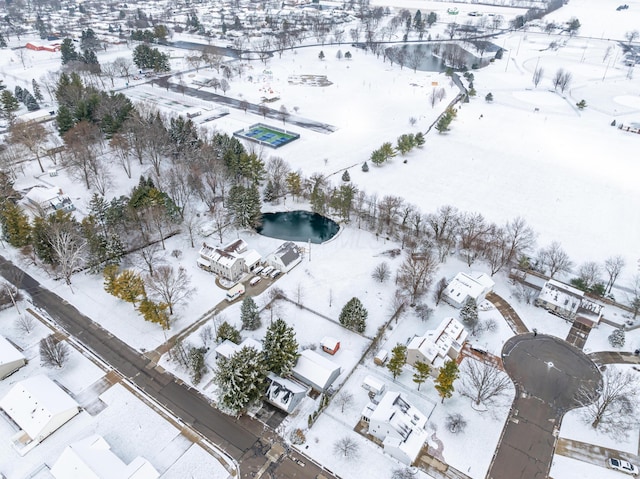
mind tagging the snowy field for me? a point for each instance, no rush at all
(529, 153)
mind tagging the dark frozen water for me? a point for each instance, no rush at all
(298, 226)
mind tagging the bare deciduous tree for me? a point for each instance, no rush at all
(344, 399)
(537, 76)
(613, 265)
(69, 247)
(555, 259)
(32, 135)
(381, 272)
(611, 407)
(25, 323)
(524, 293)
(633, 297)
(438, 292)
(416, 273)
(169, 285)
(589, 273)
(346, 447)
(456, 423)
(483, 383)
(53, 353)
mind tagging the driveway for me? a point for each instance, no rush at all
(547, 373)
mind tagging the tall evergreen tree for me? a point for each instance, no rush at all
(449, 372)
(154, 312)
(354, 316)
(249, 314)
(280, 348)
(241, 380)
(244, 205)
(8, 105)
(15, 225)
(469, 312)
(422, 373)
(37, 91)
(398, 359)
(228, 332)
(68, 51)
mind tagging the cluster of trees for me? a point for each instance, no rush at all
(241, 378)
(146, 57)
(445, 119)
(159, 33)
(25, 96)
(86, 59)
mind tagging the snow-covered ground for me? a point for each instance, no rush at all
(529, 153)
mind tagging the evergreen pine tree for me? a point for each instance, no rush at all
(354, 316)
(617, 338)
(321, 55)
(228, 332)
(154, 312)
(8, 105)
(422, 373)
(3, 42)
(30, 102)
(16, 229)
(280, 348)
(249, 314)
(269, 193)
(469, 313)
(197, 365)
(37, 92)
(64, 120)
(241, 380)
(346, 176)
(244, 205)
(398, 359)
(444, 382)
(129, 287)
(19, 93)
(365, 167)
(489, 97)
(68, 51)
(419, 139)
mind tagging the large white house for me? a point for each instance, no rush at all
(463, 286)
(39, 407)
(567, 301)
(286, 257)
(315, 370)
(92, 458)
(10, 358)
(49, 199)
(438, 345)
(399, 425)
(230, 261)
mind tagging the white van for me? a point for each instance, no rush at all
(258, 270)
(267, 270)
(274, 273)
(255, 281)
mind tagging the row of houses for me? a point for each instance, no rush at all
(232, 261)
(38, 407)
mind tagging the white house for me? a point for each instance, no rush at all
(227, 348)
(10, 358)
(399, 425)
(286, 257)
(92, 458)
(230, 261)
(39, 407)
(315, 370)
(284, 393)
(467, 285)
(437, 346)
(49, 199)
(567, 301)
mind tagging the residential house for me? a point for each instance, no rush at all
(566, 301)
(467, 285)
(229, 262)
(92, 458)
(227, 348)
(284, 393)
(400, 426)
(49, 199)
(10, 358)
(40, 47)
(286, 257)
(437, 346)
(315, 370)
(39, 407)
(330, 345)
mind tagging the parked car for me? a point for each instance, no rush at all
(622, 466)
(255, 281)
(267, 271)
(274, 274)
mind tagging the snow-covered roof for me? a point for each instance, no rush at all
(282, 391)
(561, 295)
(407, 422)
(228, 348)
(251, 257)
(92, 458)
(287, 252)
(8, 352)
(36, 401)
(449, 336)
(465, 285)
(315, 368)
(329, 342)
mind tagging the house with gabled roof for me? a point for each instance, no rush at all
(92, 458)
(227, 348)
(566, 301)
(39, 407)
(315, 370)
(286, 257)
(437, 346)
(229, 262)
(400, 426)
(11, 359)
(467, 285)
(284, 393)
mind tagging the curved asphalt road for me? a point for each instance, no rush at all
(547, 372)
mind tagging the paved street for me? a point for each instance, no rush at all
(237, 437)
(547, 372)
